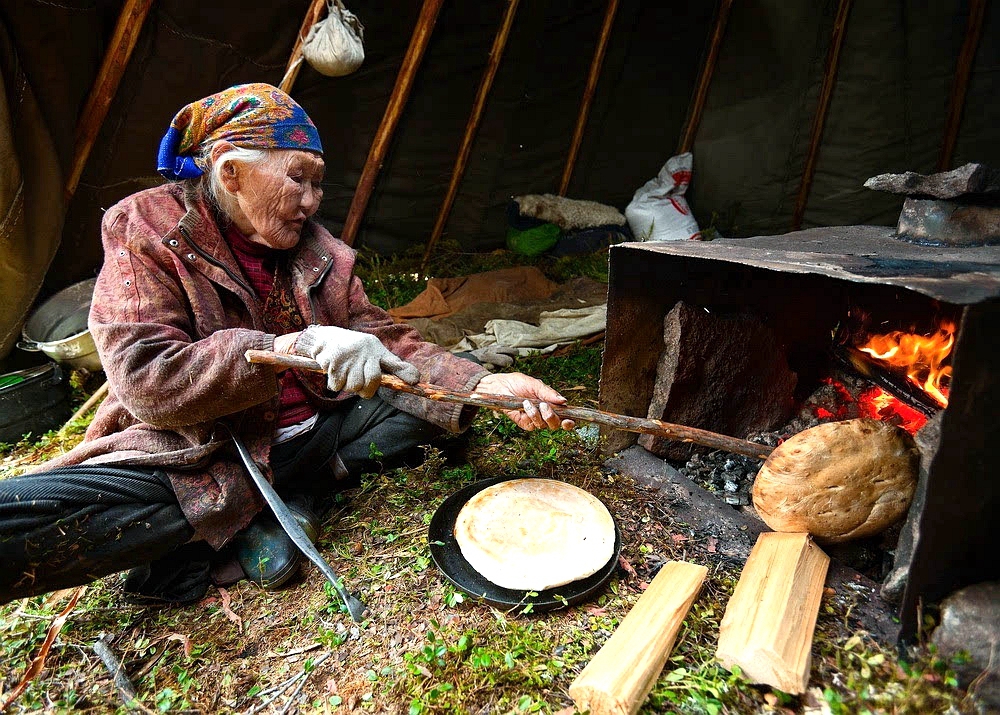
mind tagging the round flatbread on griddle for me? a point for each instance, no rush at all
(535, 534)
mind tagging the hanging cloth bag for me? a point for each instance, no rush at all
(335, 45)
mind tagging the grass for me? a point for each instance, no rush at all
(426, 647)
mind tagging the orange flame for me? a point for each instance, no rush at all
(922, 356)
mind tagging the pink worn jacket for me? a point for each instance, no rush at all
(172, 317)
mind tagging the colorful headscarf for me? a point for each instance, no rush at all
(254, 116)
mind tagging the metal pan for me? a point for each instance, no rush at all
(448, 557)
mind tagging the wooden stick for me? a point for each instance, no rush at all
(394, 110)
(471, 127)
(313, 15)
(121, 682)
(130, 22)
(588, 94)
(705, 78)
(819, 119)
(99, 394)
(769, 622)
(679, 433)
(618, 679)
(960, 84)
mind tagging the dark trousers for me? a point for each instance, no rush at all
(66, 527)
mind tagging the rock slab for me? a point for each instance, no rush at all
(970, 623)
(968, 179)
(727, 374)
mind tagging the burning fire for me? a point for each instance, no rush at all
(922, 356)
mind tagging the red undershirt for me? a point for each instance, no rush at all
(258, 263)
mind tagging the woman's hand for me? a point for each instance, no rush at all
(517, 384)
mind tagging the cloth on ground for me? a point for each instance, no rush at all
(471, 320)
(556, 327)
(445, 296)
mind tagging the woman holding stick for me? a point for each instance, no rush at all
(224, 259)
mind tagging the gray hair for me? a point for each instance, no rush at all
(212, 180)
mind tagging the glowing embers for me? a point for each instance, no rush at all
(840, 402)
(922, 357)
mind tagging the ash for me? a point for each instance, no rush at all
(731, 476)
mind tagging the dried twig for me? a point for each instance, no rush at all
(277, 691)
(39, 661)
(121, 682)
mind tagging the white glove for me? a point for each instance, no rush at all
(353, 361)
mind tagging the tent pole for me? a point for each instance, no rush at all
(400, 93)
(471, 127)
(313, 15)
(960, 84)
(130, 22)
(705, 78)
(588, 94)
(819, 120)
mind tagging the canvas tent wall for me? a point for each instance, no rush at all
(887, 112)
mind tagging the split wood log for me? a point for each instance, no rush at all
(130, 21)
(768, 626)
(397, 100)
(618, 679)
(839, 481)
(499, 402)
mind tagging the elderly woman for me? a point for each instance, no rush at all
(225, 259)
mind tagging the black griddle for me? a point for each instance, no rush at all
(459, 572)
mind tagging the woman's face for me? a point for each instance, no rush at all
(277, 195)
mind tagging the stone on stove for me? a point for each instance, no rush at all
(948, 223)
(968, 179)
(751, 386)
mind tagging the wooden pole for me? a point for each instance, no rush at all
(313, 15)
(394, 110)
(960, 84)
(705, 78)
(667, 430)
(618, 679)
(471, 127)
(588, 94)
(819, 120)
(123, 40)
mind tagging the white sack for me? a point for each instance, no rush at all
(335, 45)
(658, 211)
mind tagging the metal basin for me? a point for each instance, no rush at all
(58, 328)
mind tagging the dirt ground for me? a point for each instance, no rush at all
(425, 646)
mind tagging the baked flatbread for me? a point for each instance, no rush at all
(535, 534)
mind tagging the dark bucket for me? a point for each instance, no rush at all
(34, 400)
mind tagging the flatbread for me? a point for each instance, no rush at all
(535, 534)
